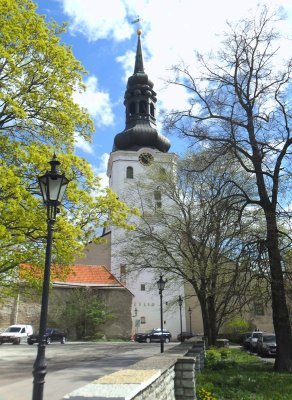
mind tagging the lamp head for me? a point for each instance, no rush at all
(161, 284)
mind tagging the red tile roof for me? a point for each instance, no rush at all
(95, 275)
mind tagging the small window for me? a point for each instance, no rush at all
(130, 172)
(259, 308)
(142, 107)
(123, 271)
(157, 198)
(132, 109)
(22, 330)
(143, 287)
(152, 109)
(143, 320)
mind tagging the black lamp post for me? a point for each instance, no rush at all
(161, 284)
(134, 316)
(53, 186)
(190, 314)
(180, 301)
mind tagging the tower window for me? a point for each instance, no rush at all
(152, 109)
(132, 108)
(123, 273)
(130, 172)
(259, 308)
(143, 107)
(157, 197)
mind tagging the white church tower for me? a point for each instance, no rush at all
(138, 147)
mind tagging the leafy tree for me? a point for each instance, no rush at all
(240, 102)
(38, 116)
(81, 312)
(194, 236)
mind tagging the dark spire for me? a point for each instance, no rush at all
(139, 57)
(140, 100)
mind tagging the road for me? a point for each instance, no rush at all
(69, 366)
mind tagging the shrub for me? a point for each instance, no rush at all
(205, 395)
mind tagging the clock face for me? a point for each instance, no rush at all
(146, 158)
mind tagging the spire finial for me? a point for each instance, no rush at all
(139, 67)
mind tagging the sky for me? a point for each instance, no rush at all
(103, 37)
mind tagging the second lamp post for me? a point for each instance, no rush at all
(180, 301)
(190, 314)
(161, 286)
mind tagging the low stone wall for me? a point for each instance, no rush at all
(168, 376)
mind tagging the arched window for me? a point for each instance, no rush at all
(143, 107)
(157, 198)
(152, 109)
(130, 172)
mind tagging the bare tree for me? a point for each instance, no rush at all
(241, 104)
(191, 231)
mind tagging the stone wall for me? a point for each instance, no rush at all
(169, 376)
(25, 309)
(161, 389)
(118, 302)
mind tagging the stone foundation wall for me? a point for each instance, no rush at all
(25, 309)
(169, 376)
(161, 389)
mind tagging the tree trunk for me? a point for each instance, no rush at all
(209, 322)
(281, 319)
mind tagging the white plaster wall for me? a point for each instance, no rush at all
(146, 302)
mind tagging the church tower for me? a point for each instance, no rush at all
(135, 150)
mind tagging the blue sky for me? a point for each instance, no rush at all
(104, 40)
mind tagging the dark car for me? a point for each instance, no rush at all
(185, 335)
(52, 335)
(266, 345)
(251, 342)
(154, 335)
(245, 339)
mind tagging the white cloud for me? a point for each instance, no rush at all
(82, 144)
(101, 169)
(99, 20)
(173, 30)
(96, 102)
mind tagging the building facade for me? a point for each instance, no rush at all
(136, 151)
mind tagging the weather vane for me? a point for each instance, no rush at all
(136, 20)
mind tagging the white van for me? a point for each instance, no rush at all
(15, 333)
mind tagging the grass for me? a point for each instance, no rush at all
(236, 375)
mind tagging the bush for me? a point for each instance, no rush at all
(231, 374)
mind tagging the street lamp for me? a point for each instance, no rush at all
(135, 320)
(53, 186)
(161, 284)
(180, 301)
(190, 314)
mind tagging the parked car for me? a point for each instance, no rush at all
(244, 339)
(15, 333)
(154, 335)
(51, 334)
(266, 345)
(185, 335)
(251, 342)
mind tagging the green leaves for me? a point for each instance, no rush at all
(38, 116)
